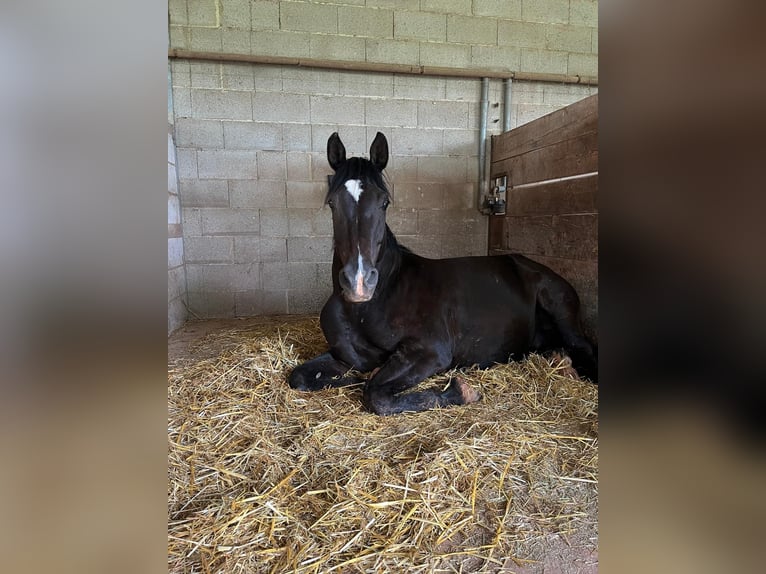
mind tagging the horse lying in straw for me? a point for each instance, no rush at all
(406, 317)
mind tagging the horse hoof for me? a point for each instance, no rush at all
(467, 392)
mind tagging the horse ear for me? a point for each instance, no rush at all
(379, 151)
(336, 151)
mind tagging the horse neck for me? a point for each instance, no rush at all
(389, 259)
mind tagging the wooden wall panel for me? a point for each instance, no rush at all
(555, 222)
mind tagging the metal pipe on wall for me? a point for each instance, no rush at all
(507, 93)
(483, 118)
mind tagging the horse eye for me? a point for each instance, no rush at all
(331, 203)
(386, 203)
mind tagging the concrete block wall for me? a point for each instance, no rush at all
(176, 266)
(251, 143)
(251, 138)
(551, 36)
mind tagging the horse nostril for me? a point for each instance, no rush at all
(372, 278)
(344, 279)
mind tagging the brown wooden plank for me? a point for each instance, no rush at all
(574, 156)
(568, 236)
(554, 198)
(495, 232)
(575, 119)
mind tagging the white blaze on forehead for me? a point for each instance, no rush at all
(354, 188)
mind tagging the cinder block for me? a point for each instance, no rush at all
(442, 169)
(227, 164)
(337, 48)
(206, 39)
(298, 166)
(451, 115)
(448, 222)
(419, 196)
(460, 195)
(445, 55)
(394, 112)
(204, 192)
(256, 303)
(265, 15)
(371, 22)
(279, 43)
(274, 275)
(176, 314)
(306, 301)
(528, 93)
(172, 179)
(463, 90)
(305, 17)
(298, 80)
(411, 5)
(248, 249)
(237, 77)
(271, 165)
(423, 245)
(416, 141)
(180, 37)
(180, 73)
(277, 107)
(543, 61)
(212, 304)
(175, 252)
(420, 26)
(562, 95)
(306, 194)
(419, 88)
(583, 64)
(186, 163)
(545, 11)
(199, 133)
(461, 142)
(235, 13)
(504, 58)
(401, 168)
(174, 210)
(191, 220)
(522, 34)
(320, 169)
(313, 249)
(274, 223)
(448, 6)
(296, 137)
(392, 51)
(257, 193)
(202, 13)
(583, 13)
(337, 110)
(510, 9)
(210, 78)
(208, 249)
(182, 107)
(354, 138)
(214, 104)
(402, 220)
(235, 41)
(252, 136)
(568, 38)
(471, 30)
(310, 222)
(178, 13)
(223, 221)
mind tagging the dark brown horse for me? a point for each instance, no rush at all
(406, 317)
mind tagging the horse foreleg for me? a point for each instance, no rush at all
(408, 366)
(321, 372)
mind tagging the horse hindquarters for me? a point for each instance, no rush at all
(558, 324)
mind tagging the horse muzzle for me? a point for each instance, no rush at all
(358, 284)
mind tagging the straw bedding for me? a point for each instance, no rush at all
(262, 478)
